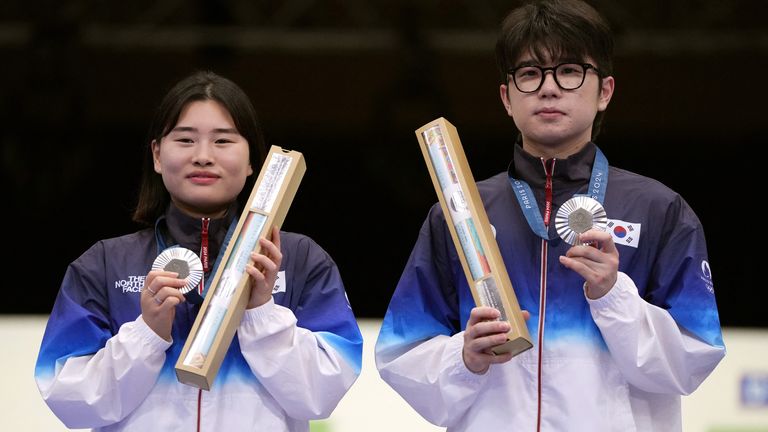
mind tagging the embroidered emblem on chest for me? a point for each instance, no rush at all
(279, 283)
(624, 233)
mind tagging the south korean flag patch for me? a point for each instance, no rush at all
(624, 233)
(279, 283)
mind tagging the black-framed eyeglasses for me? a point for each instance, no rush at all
(568, 76)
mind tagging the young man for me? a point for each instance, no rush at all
(620, 328)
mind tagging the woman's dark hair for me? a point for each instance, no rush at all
(201, 86)
(567, 30)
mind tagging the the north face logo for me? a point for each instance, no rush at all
(133, 284)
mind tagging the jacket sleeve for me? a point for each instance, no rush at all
(307, 359)
(669, 340)
(86, 375)
(419, 348)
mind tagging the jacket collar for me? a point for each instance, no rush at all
(575, 169)
(178, 228)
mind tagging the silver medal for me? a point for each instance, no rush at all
(578, 215)
(182, 261)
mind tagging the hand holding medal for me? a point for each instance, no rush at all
(175, 272)
(581, 221)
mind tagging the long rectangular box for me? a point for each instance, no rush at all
(470, 229)
(226, 299)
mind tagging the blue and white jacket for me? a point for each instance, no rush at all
(292, 359)
(617, 363)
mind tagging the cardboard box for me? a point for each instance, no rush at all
(227, 297)
(471, 232)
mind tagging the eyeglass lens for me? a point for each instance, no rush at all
(568, 76)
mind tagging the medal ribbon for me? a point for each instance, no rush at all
(204, 245)
(548, 190)
(596, 189)
(204, 252)
(205, 284)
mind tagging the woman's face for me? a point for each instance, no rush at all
(204, 161)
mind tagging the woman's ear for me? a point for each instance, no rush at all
(155, 146)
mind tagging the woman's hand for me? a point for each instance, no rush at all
(159, 298)
(264, 269)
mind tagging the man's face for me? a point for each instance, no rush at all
(552, 120)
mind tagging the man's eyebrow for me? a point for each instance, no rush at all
(526, 62)
(571, 60)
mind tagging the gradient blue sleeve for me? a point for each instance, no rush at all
(681, 280)
(309, 355)
(324, 308)
(78, 324)
(425, 303)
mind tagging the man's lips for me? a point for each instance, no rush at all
(549, 111)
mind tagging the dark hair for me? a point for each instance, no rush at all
(569, 30)
(153, 197)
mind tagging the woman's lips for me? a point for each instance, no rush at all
(203, 178)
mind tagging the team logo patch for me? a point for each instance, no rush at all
(624, 233)
(279, 283)
(706, 276)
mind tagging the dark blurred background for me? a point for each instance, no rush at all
(347, 82)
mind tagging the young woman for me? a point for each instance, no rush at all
(108, 354)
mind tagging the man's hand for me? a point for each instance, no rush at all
(484, 332)
(597, 263)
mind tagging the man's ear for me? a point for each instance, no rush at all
(606, 92)
(504, 95)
